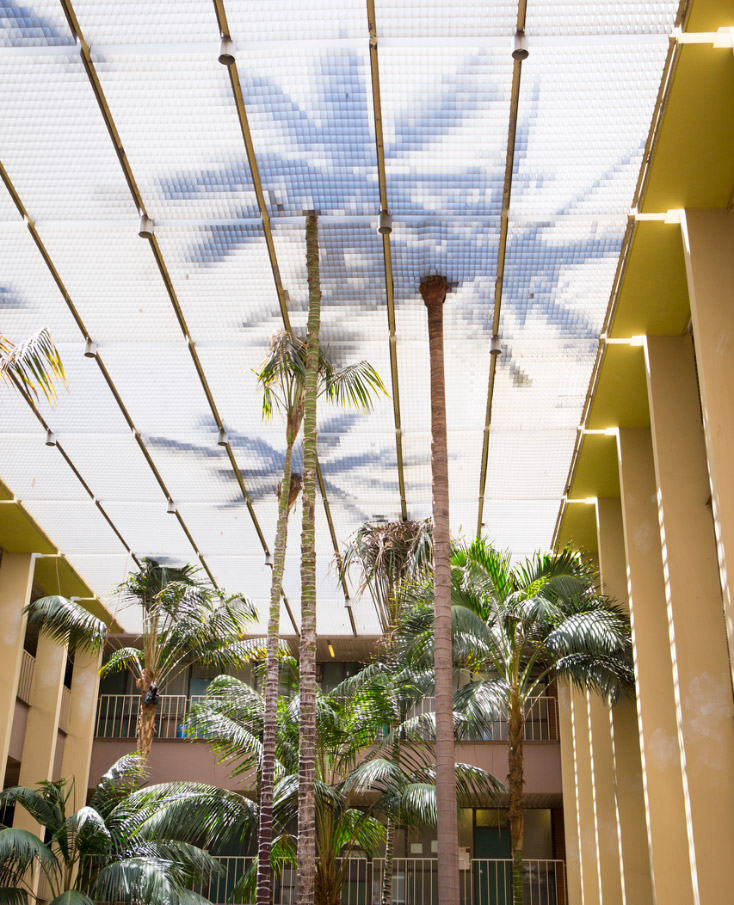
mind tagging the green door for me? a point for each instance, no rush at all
(493, 876)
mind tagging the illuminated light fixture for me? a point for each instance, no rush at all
(226, 51)
(90, 349)
(50, 438)
(146, 228)
(223, 438)
(385, 226)
(171, 507)
(331, 650)
(268, 559)
(520, 46)
(495, 346)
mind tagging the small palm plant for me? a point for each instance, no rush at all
(185, 620)
(514, 630)
(32, 365)
(113, 850)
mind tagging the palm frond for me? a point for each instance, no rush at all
(13, 895)
(72, 897)
(66, 622)
(34, 364)
(353, 386)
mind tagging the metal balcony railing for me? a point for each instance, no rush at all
(541, 720)
(117, 716)
(482, 881)
(25, 680)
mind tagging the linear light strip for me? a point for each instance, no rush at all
(661, 103)
(105, 373)
(234, 78)
(501, 251)
(160, 261)
(387, 251)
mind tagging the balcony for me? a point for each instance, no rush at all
(117, 716)
(415, 882)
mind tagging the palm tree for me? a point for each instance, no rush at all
(351, 758)
(515, 629)
(433, 289)
(307, 749)
(387, 556)
(33, 364)
(112, 850)
(282, 377)
(185, 620)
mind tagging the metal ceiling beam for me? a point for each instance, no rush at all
(160, 262)
(387, 251)
(501, 251)
(234, 78)
(98, 358)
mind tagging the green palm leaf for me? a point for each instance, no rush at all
(33, 364)
(66, 622)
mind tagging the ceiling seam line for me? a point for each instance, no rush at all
(77, 474)
(105, 373)
(239, 99)
(661, 103)
(386, 251)
(500, 274)
(137, 197)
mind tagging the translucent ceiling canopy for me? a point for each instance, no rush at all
(107, 109)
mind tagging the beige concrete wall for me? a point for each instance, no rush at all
(708, 245)
(634, 855)
(16, 580)
(42, 727)
(700, 675)
(570, 796)
(661, 766)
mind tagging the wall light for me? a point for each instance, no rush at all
(520, 46)
(331, 650)
(226, 51)
(146, 227)
(50, 438)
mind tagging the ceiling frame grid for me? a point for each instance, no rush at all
(105, 373)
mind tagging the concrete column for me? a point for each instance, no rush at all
(82, 718)
(585, 801)
(16, 581)
(605, 804)
(570, 798)
(42, 728)
(698, 641)
(658, 726)
(634, 855)
(708, 244)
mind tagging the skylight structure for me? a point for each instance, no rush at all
(110, 111)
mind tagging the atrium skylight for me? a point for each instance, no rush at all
(182, 319)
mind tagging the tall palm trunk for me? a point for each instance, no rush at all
(267, 777)
(433, 289)
(145, 729)
(517, 807)
(390, 833)
(307, 741)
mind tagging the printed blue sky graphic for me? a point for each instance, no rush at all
(583, 119)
